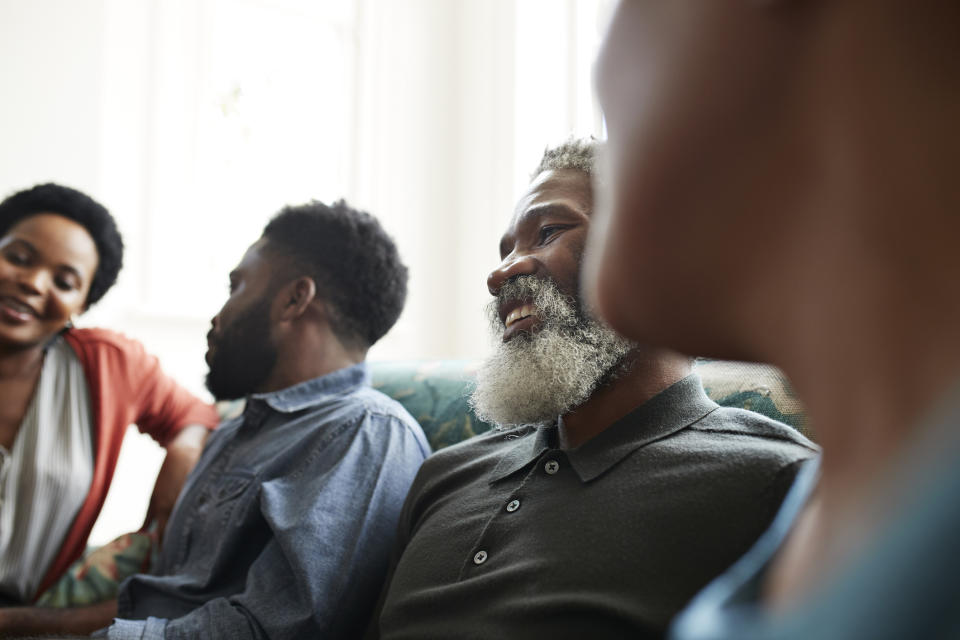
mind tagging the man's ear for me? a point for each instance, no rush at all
(296, 297)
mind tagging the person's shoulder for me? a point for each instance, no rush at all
(751, 425)
(375, 401)
(740, 460)
(747, 433)
(368, 400)
(95, 340)
(384, 410)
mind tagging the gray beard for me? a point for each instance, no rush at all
(534, 378)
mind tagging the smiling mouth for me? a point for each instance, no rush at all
(521, 320)
(17, 310)
(520, 313)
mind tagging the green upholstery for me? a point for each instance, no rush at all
(435, 393)
(97, 576)
(757, 387)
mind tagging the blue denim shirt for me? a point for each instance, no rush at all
(284, 528)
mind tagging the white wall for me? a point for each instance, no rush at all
(190, 121)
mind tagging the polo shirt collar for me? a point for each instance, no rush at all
(315, 391)
(675, 408)
(532, 440)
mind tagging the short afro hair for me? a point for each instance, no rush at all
(352, 260)
(82, 209)
(579, 154)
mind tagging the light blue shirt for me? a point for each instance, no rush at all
(284, 528)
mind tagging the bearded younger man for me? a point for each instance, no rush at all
(285, 526)
(615, 489)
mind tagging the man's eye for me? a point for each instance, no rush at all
(548, 231)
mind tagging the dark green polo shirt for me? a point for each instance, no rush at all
(508, 536)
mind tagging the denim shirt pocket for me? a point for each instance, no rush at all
(226, 493)
(210, 511)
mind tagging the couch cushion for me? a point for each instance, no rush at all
(97, 576)
(758, 387)
(435, 393)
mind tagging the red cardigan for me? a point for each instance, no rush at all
(126, 387)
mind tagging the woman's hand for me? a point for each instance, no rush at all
(182, 454)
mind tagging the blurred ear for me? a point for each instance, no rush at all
(296, 297)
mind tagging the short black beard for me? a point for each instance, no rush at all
(244, 355)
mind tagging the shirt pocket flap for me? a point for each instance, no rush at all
(231, 485)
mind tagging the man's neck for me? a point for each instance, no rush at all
(646, 372)
(307, 355)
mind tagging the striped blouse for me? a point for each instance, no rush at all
(47, 475)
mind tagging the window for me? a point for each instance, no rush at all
(253, 109)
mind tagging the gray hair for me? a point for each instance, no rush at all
(536, 377)
(574, 153)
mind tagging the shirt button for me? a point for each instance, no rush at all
(513, 505)
(551, 467)
(480, 557)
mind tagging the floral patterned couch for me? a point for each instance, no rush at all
(435, 393)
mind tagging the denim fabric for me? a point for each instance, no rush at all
(284, 528)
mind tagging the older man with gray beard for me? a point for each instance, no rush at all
(614, 488)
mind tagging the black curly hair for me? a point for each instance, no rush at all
(352, 260)
(82, 209)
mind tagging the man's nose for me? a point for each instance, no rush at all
(511, 267)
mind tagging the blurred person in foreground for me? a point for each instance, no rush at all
(284, 528)
(783, 187)
(615, 488)
(69, 394)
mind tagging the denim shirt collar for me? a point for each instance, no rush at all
(673, 409)
(312, 392)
